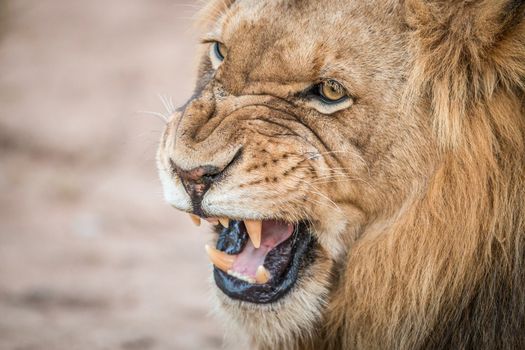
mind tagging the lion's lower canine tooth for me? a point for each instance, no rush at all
(262, 275)
(220, 259)
(225, 222)
(254, 228)
(196, 220)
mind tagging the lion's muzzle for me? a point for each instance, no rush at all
(260, 250)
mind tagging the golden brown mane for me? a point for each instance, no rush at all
(457, 257)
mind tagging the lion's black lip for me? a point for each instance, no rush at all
(284, 262)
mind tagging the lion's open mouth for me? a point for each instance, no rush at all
(259, 261)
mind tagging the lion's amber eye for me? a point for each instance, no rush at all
(220, 50)
(331, 91)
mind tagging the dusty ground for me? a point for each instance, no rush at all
(90, 256)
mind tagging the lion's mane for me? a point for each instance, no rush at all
(451, 272)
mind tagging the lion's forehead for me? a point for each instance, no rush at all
(301, 41)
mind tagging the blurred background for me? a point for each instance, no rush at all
(90, 255)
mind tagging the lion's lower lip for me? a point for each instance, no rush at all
(283, 262)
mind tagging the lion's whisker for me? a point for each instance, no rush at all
(311, 200)
(314, 155)
(317, 191)
(155, 114)
(167, 102)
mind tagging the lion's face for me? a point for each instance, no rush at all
(297, 134)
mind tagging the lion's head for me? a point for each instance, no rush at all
(363, 162)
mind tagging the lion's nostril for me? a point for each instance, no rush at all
(197, 180)
(211, 177)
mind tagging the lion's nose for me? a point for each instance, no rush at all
(197, 180)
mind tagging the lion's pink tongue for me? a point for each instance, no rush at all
(273, 233)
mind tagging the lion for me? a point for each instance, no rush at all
(363, 166)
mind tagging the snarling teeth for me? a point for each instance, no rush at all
(262, 275)
(225, 222)
(220, 259)
(196, 219)
(247, 265)
(225, 262)
(254, 228)
(241, 276)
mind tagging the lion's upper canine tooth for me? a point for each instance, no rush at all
(262, 275)
(254, 228)
(196, 219)
(225, 222)
(220, 259)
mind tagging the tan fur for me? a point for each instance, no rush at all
(416, 193)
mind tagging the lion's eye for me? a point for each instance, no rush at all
(220, 50)
(328, 97)
(217, 53)
(331, 91)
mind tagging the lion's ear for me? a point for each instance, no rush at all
(212, 10)
(464, 52)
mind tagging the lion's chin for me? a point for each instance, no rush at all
(263, 270)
